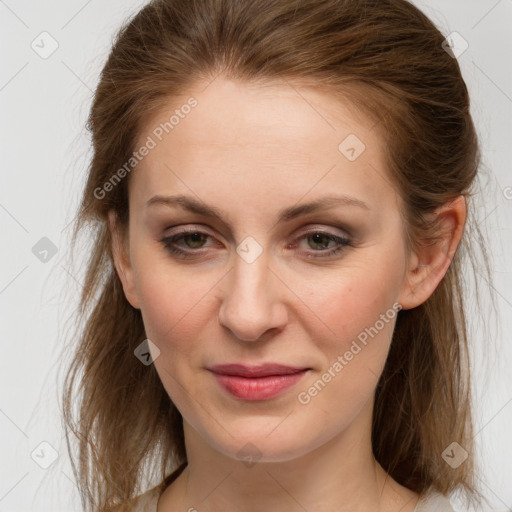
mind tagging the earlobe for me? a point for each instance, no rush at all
(429, 263)
(122, 261)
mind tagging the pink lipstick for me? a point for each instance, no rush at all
(253, 383)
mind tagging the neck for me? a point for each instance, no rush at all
(340, 475)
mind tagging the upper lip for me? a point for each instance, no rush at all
(262, 370)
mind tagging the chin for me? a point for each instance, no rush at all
(267, 439)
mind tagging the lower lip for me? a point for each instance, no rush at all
(258, 388)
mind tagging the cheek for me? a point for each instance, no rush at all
(362, 316)
(359, 311)
(172, 305)
(354, 300)
(168, 292)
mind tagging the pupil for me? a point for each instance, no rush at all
(317, 238)
(196, 237)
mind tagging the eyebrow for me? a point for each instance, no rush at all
(287, 214)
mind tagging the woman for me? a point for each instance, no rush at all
(280, 194)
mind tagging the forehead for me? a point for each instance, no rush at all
(248, 143)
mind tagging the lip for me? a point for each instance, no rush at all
(253, 383)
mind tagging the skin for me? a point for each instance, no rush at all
(251, 150)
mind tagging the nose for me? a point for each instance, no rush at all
(252, 301)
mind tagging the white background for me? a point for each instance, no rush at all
(45, 149)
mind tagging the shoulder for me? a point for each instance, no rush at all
(433, 501)
(148, 501)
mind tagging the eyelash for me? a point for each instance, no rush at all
(169, 242)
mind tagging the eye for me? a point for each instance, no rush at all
(320, 239)
(195, 239)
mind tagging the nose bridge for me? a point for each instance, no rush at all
(250, 278)
(250, 304)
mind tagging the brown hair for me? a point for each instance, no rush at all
(388, 58)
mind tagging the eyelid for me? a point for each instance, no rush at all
(326, 229)
(188, 229)
(193, 228)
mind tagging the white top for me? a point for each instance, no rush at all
(430, 502)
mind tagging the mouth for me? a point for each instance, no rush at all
(257, 383)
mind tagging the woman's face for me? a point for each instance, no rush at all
(266, 279)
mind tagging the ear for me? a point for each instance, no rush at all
(428, 265)
(122, 260)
